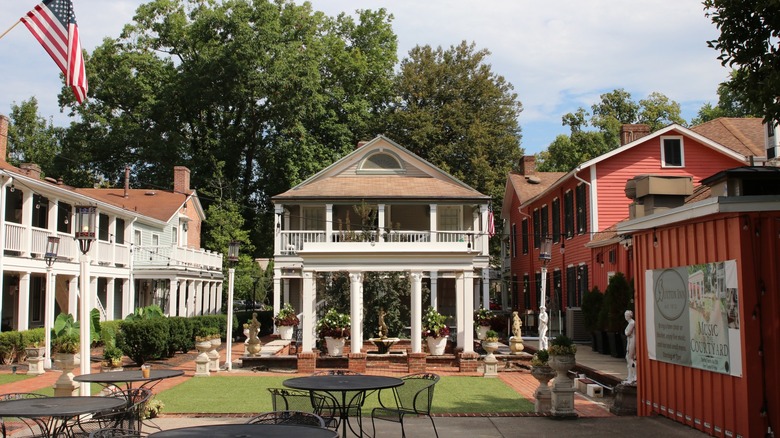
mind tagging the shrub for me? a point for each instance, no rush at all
(10, 345)
(67, 343)
(592, 302)
(491, 336)
(617, 299)
(144, 339)
(33, 337)
(180, 335)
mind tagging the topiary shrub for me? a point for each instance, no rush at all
(180, 335)
(144, 339)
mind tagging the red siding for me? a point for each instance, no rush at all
(718, 404)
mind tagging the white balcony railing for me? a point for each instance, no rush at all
(291, 242)
(161, 256)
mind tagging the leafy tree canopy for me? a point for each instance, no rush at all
(31, 139)
(731, 103)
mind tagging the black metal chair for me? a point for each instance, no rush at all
(288, 417)
(128, 417)
(302, 401)
(414, 397)
(117, 433)
(36, 426)
(355, 398)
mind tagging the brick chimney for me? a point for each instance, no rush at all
(31, 169)
(631, 132)
(181, 180)
(3, 138)
(528, 165)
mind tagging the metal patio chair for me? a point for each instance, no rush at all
(414, 397)
(288, 417)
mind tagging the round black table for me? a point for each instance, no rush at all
(333, 384)
(248, 430)
(128, 377)
(57, 409)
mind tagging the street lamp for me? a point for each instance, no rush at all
(52, 248)
(545, 254)
(86, 224)
(232, 261)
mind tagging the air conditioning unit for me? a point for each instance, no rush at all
(575, 325)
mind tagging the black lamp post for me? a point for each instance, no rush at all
(232, 261)
(52, 248)
(86, 225)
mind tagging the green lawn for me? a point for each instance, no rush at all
(249, 394)
(11, 378)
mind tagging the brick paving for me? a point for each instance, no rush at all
(520, 380)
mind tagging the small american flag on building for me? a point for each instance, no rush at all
(491, 222)
(53, 24)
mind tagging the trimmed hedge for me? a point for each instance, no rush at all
(144, 339)
(180, 335)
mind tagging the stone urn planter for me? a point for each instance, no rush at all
(335, 346)
(214, 354)
(65, 386)
(542, 394)
(202, 361)
(35, 352)
(285, 332)
(563, 386)
(481, 331)
(562, 364)
(436, 346)
(490, 347)
(35, 357)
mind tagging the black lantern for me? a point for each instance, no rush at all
(52, 248)
(86, 226)
(233, 251)
(545, 251)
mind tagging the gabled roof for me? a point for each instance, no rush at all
(743, 135)
(156, 204)
(417, 180)
(527, 187)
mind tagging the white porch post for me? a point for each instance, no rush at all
(468, 312)
(277, 292)
(278, 211)
(198, 298)
(328, 223)
(183, 285)
(459, 307)
(417, 311)
(220, 287)
(435, 289)
(381, 222)
(127, 298)
(110, 299)
(433, 222)
(23, 304)
(173, 297)
(486, 288)
(307, 325)
(356, 310)
(191, 298)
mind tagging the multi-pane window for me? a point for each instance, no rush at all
(672, 152)
(568, 214)
(40, 214)
(571, 286)
(524, 227)
(64, 212)
(514, 240)
(582, 282)
(582, 209)
(119, 231)
(537, 229)
(103, 227)
(556, 297)
(556, 220)
(545, 221)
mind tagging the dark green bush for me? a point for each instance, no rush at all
(218, 322)
(33, 337)
(180, 331)
(10, 345)
(591, 306)
(617, 299)
(144, 339)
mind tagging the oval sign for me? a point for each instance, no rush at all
(671, 294)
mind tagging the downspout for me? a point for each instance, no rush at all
(590, 187)
(130, 300)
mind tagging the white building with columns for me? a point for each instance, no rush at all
(146, 249)
(427, 224)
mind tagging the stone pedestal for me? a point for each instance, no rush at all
(214, 355)
(625, 400)
(202, 361)
(65, 386)
(491, 366)
(515, 345)
(542, 394)
(35, 366)
(563, 386)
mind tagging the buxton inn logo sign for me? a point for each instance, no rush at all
(693, 317)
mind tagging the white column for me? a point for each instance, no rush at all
(277, 292)
(486, 288)
(127, 298)
(307, 325)
(484, 239)
(84, 309)
(220, 287)
(432, 222)
(381, 222)
(459, 307)
(356, 310)
(198, 295)
(110, 299)
(23, 304)
(183, 288)
(468, 312)
(173, 297)
(278, 211)
(417, 311)
(191, 298)
(435, 289)
(27, 206)
(328, 223)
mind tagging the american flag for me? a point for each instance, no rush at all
(491, 222)
(53, 24)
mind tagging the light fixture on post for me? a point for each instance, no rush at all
(52, 248)
(232, 261)
(545, 254)
(86, 224)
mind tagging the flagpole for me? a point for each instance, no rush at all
(10, 29)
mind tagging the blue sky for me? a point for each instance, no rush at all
(559, 55)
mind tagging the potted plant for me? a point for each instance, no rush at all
(34, 350)
(562, 351)
(334, 328)
(285, 321)
(112, 358)
(591, 306)
(435, 330)
(543, 373)
(617, 299)
(482, 318)
(490, 343)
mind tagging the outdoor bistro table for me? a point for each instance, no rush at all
(343, 384)
(129, 377)
(58, 410)
(248, 430)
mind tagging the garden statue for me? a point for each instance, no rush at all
(516, 324)
(542, 328)
(630, 348)
(382, 325)
(516, 341)
(253, 344)
(382, 342)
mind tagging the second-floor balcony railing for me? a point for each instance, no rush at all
(294, 241)
(171, 255)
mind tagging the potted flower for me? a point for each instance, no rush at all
(542, 372)
(285, 320)
(435, 330)
(562, 351)
(490, 343)
(112, 358)
(334, 328)
(482, 318)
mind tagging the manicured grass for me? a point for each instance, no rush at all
(249, 394)
(11, 378)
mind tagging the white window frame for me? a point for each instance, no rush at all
(137, 237)
(664, 164)
(155, 239)
(175, 235)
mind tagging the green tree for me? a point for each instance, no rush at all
(657, 111)
(31, 139)
(731, 103)
(455, 112)
(614, 110)
(748, 42)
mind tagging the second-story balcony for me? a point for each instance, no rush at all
(292, 242)
(162, 256)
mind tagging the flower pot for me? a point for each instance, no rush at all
(203, 346)
(436, 346)
(562, 364)
(542, 394)
(34, 352)
(335, 346)
(482, 331)
(285, 332)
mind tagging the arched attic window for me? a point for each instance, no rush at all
(380, 162)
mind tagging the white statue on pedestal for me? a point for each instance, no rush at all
(542, 328)
(630, 348)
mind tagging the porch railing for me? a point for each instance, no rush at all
(161, 256)
(292, 241)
